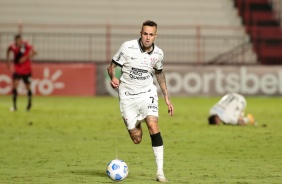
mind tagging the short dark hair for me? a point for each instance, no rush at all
(150, 23)
(18, 36)
(212, 120)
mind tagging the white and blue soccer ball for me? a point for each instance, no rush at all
(117, 170)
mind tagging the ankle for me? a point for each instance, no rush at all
(160, 172)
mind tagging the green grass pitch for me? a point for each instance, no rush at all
(70, 140)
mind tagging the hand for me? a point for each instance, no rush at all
(115, 83)
(170, 107)
(23, 59)
(9, 66)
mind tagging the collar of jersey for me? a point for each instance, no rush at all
(141, 48)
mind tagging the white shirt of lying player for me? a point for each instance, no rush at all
(229, 108)
(137, 68)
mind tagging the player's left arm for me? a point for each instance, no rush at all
(162, 83)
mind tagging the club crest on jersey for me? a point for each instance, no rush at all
(153, 62)
(154, 59)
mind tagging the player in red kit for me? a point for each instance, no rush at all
(23, 52)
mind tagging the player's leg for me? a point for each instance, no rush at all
(157, 145)
(150, 109)
(27, 82)
(249, 119)
(130, 110)
(16, 79)
(136, 134)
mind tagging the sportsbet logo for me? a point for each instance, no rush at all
(221, 80)
(213, 80)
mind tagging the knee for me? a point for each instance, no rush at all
(15, 92)
(136, 136)
(154, 130)
(29, 93)
(152, 123)
(137, 140)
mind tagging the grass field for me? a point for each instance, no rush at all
(70, 140)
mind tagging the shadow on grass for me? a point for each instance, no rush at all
(99, 173)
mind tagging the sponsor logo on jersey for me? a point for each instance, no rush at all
(125, 121)
(127, 93)
(137, 74)
(158, 53)
(153, 107)
(138, 71)
(132, 47)
(120, 55)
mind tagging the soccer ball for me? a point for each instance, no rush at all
(117, 170)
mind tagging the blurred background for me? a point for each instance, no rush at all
(211, 47)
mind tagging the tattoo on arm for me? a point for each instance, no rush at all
(162, 82)
(111, 70)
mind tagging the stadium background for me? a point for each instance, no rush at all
(74, 128)
(210, 47)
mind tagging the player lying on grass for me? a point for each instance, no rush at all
(230, 110)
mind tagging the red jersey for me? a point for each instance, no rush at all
(25, 67)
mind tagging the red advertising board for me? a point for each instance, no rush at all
(55, 79)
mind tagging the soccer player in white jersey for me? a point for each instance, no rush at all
(230, 110)
(140, 59)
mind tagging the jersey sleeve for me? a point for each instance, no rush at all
(120, 57)
(159, 63)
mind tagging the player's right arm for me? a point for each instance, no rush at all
(118, 60)
(112, 74)
(8, 60)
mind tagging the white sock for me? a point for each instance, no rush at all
(159, 157)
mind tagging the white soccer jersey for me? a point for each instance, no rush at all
(229, 108)
(137, 68)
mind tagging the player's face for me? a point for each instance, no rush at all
(217, 120)
(19, 42)
(148, 35)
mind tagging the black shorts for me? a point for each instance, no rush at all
(26, 78)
